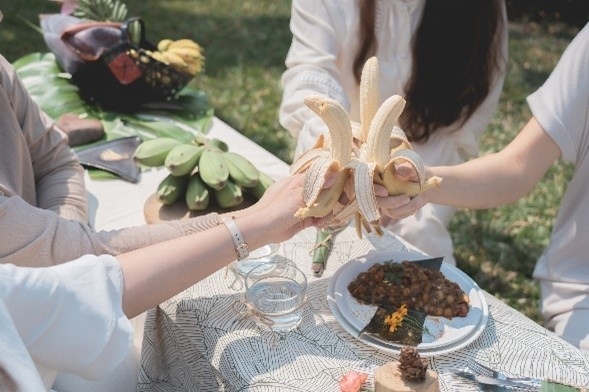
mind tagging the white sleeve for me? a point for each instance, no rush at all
(561, 104)
(311, 68)
(70, 316)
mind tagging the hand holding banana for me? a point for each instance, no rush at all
(184, 54)
(202, 171)
(360, 155)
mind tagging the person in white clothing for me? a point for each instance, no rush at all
(74, 317)
(558, 129)
(447, 58)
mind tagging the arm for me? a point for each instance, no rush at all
(58, 175)
(41, 238)
(498, 178)
(157, 272)
(311, 68)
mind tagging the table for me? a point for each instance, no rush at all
(197, 341)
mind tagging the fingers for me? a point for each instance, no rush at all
(399, 207)
(406, 172)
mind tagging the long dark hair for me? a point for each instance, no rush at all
(456, 54)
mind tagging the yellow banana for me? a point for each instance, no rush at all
(182, 159)
(184, 43)
(212, 168)
(187, 53)
(159, 56)
(197, 194)
(152, 153)
(171, 188)
(320, 202)
(164, 44)
(241, 171)
(174, 60)
(229, 196)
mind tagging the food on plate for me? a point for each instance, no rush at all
(391, 285)
(409, 373)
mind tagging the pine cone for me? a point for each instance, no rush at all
(411, 366)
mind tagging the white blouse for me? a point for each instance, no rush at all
(325, 42)
(64, 318)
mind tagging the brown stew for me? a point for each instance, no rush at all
(423, 289)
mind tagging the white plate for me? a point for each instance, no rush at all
(446, 334)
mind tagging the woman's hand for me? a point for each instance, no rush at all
(397, 207)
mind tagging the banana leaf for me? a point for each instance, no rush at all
(52, 89)
(183, 118)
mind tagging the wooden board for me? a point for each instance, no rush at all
(155, 211)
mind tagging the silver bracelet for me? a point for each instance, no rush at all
(240, 245)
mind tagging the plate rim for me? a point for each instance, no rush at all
(395, 348)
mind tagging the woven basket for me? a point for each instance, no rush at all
(110, 62)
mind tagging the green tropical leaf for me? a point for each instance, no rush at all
(183, 118)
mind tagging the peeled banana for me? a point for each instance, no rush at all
(361, 154)
(153, 153)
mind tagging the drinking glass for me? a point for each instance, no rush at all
(263, 255)
(275, 296)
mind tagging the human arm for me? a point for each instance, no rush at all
(498, 178)
(157, 272)
(311, 67)
(41, 238)
(38, 162)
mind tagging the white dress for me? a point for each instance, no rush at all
(325, 41)
(561, 106)
(65, 318)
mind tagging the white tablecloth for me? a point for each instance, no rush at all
(198, 341)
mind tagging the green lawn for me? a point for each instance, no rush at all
(245, 58)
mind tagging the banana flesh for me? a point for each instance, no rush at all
(202, 173)
(361, 154)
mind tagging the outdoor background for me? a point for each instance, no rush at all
(245, 44)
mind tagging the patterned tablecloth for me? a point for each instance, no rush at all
(197, 341)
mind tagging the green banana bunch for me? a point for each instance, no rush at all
(202, 172)
(264, 183)
(241, 171)
(197, 194)
(212, 168)
(171, 188)
(153, 153)
(229, 196)
(182, 159)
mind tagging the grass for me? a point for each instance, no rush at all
(245, 44)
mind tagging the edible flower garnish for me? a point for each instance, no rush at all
(396, 319)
